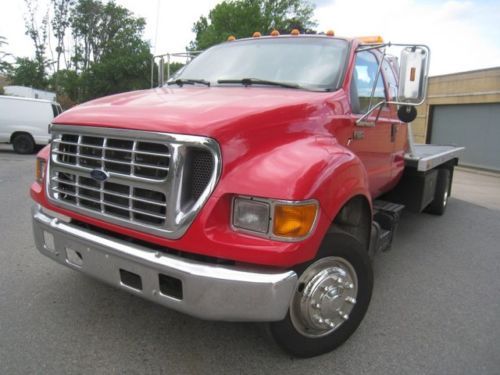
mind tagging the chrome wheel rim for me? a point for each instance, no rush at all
(325, 297)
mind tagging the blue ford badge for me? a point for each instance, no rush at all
(99, 175)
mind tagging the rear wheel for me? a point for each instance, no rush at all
(331, 299)
(23, 143)
(441, 195)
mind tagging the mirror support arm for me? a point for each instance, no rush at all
(377, 77)
(379, 106)
(368, 113)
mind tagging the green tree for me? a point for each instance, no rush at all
(85, 19)
(174, 68)
(60, 23)
(66, 82)
(243, 17)
(26, 73)
(107, 55)
(5, 66)
(111, 52)
(38, 35)
(118, 71)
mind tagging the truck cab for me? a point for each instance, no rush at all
(255, 185)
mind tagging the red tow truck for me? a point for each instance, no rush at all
(254, 185)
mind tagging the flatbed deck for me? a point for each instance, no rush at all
(426, 157)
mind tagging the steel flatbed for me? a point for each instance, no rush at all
(425, 157)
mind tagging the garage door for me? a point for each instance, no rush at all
(475, 126)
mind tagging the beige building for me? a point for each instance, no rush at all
(464, 109)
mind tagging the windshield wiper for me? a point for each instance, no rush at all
(182, 81)
(257, 81)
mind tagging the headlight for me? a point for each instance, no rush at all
(251, 215)
(40, 169)
(282, 220)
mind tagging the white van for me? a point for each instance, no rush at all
(24, 122)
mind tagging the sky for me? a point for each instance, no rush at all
(462, 34)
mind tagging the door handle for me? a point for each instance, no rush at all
(394, 130)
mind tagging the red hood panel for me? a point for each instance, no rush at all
(192, 110)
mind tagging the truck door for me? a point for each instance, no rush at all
(371, 140)
(399, 136)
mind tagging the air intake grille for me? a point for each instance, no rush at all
(131, 177)
(202, 164)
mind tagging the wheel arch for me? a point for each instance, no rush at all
(354, 218)
(346, 200)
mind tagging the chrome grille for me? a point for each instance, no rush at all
(130, 157)
(136, 204)
(154, 182)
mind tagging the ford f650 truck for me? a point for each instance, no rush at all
(255, 185)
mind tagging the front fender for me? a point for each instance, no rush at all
(313, 167)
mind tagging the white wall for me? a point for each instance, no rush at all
(28, 92)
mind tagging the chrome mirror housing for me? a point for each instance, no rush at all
(413, 72)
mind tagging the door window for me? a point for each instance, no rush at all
(54, 110)
(365, 73)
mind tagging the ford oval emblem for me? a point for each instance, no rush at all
(99, 175)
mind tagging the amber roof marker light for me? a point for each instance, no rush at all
(371, 39)
(275, 33)
(256, 34)
(330, 33)
(231, 38)
(295, 32)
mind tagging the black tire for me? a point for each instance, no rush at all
(441, 195)
(292, 340)
(23, 144)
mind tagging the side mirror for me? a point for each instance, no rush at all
(161, 72)
(413, 75)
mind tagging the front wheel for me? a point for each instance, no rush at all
(332, 296)
(23, 144)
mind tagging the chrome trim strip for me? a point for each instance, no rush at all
(209, 291)
(179, 215)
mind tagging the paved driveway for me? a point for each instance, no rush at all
(435, 308)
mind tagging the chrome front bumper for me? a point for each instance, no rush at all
(209, 291)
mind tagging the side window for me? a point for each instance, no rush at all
(54, 110)
(365, 73)
(392, 83)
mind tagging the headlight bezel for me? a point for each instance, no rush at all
(272, 204)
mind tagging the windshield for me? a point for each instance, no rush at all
(310, 63)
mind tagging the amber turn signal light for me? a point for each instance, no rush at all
(40, 170)
(294, 221)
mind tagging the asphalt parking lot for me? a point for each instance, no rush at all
(435, 308)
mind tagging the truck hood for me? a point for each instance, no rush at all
(198, 110)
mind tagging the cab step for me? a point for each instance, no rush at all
(385, 221)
